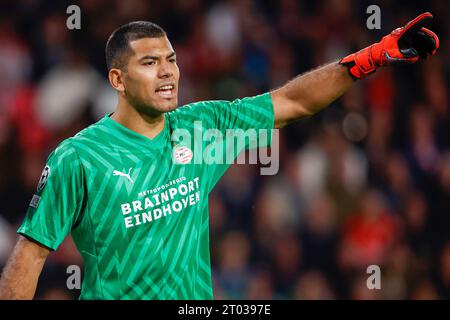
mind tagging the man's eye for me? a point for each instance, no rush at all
(150, 63)
(173, 60)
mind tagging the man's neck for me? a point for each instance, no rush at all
(138, 122)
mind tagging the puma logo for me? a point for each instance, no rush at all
(126, 175)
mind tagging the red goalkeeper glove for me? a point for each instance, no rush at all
(403, 45)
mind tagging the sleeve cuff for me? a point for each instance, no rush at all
(38, 239)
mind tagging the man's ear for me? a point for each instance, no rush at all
(115, 77)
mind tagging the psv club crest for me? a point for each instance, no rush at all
(182, 155)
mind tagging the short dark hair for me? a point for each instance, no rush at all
(118, 47)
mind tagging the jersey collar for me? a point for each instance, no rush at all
(121, 132)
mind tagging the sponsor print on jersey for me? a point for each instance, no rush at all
(173, 199)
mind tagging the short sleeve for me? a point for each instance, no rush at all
(247, 114)
(229, 127)
(57, 203)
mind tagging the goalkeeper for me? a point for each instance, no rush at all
(138, 217)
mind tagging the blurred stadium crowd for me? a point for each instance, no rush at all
(367, 181)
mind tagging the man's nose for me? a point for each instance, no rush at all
(165, 71)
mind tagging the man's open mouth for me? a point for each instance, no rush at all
(166, 90)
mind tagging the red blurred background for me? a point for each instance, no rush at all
(366, 181)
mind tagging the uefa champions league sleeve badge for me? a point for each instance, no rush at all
(44, 177)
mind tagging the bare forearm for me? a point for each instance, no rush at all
(309, 93)
(318, 88)
(21, 273)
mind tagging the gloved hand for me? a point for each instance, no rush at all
(403, 45)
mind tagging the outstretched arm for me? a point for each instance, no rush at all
(21, 273)
(313, 91)
(309, 93)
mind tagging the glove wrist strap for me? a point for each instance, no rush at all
(360, 64)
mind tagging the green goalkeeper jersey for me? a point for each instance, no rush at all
(137, 208)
